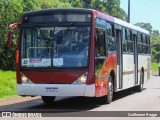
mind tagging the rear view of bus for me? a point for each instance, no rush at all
(54, 54)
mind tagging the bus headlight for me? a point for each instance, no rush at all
(82, 79)
(24, 79)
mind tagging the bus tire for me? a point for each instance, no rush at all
(107, 99)
(140, 87)
(48, 99)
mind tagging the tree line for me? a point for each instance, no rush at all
(12, 10)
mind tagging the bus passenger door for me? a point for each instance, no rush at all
(118, 36)
(135, 53)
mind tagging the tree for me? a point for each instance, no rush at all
(44, 4)
(100, 6)
(113, 8)
(10, 11)
(155, 38)
(88, 3)
(77, 4)
(146, 26)
(29, 5)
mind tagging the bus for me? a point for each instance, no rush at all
(79, 52)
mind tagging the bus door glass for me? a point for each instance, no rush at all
(100, 52)
(135, 52)
(100, 46)
(118, 36)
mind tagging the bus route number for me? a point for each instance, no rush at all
(25, 62)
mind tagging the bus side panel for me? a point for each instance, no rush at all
(101, 83)
(144, 63)
(128, 71)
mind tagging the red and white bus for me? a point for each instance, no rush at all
(79, 52)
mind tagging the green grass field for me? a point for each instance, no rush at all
(7, 84)
(155, 67)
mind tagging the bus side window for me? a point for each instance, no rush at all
(124, 40)
(100, 51)
(130, 42)
(111, 45)
(140, 45)
(149, 46)
(145, 46)
(100, 43)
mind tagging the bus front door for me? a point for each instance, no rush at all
(134, 36)
(119, 58)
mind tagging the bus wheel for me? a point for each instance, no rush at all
(48, 99)
(110, 91)
(108, 98)
(140, 87)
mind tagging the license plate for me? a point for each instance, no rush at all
(52, 89)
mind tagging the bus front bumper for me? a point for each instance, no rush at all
(56, 90)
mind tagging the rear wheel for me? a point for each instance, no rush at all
(48, 99)
(140, 87)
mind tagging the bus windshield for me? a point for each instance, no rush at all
(55, 47)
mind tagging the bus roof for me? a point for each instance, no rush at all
(83, 10)
(64, 10)
(120, 22)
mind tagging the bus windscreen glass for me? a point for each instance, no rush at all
(55, 47)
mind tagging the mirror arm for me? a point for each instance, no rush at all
(13, 26)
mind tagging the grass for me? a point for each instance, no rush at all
(155, 67)
(7, 84)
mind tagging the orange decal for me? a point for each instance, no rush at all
(102, 80)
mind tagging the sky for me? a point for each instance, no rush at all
(146, 11)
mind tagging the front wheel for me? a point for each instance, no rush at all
(48, 99)
(109, 97)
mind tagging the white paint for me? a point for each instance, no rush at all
(143, 62)
(128, 62)
(89, 90)
(57, 61)
(128, 66)
(117, 77)
(55, 90)
(25, 62)
(128, 25)
(36, 62)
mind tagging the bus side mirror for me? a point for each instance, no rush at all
(10, 33)
(10, 39)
